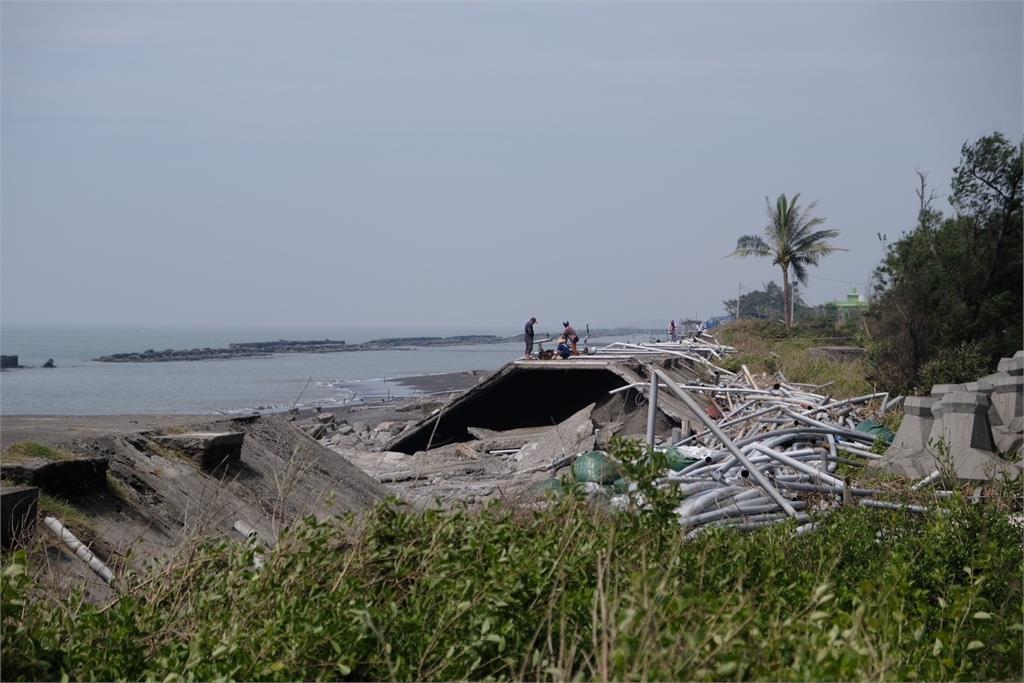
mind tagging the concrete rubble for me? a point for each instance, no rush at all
(759, 450)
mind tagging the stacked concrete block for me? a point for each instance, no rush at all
(964, 427)
(909, 455)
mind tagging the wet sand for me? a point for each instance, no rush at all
(55, 429)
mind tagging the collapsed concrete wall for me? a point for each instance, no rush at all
(541, 394)
(511, 398)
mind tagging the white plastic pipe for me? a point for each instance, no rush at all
(80, 549)
(800, 466)
(933, 477)
(727, 442)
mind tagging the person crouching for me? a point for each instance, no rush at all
(563, 350)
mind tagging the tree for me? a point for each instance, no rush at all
(766, 303)
(950, 291)
(791, 239)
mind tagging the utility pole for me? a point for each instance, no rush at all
(792, 302)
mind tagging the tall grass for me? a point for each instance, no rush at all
(769, 348)
(556, 593)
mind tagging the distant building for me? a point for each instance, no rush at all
(718, 320)
(853, 305)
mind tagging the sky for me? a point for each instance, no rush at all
(467, 165)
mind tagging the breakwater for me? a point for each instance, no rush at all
(268, 348)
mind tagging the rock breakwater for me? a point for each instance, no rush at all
(268, 348)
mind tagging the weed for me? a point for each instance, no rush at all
(564, 592)
(28, 450)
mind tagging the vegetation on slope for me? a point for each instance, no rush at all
(559, 593)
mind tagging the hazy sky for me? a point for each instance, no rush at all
(467, 164)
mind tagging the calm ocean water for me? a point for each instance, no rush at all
(81, 386)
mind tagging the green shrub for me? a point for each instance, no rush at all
(30, 450)
(558, 593)
(956, 365)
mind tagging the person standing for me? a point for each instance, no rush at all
(571, 337)
(672, 330)
(528, 336)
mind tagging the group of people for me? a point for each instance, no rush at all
(567, 341)
(674, 335)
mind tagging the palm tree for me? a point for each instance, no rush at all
(791, 239)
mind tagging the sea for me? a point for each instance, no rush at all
(79, 385)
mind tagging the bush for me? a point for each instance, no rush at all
(559, 593)
(963, 363)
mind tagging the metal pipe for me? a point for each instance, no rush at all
(885, 505)
(800, 466)
(730, 422)
(727, 442)
(697, 503)
(736, 511)
(652, 411)
(79, 549)
(819, 488)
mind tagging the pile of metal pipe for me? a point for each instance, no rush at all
(773, 453)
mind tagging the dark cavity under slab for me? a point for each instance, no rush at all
(511, 398)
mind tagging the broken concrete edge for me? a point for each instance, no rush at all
(19, 508)
(209, 449)
(76, 475)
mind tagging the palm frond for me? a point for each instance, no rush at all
(799, 271)
(751, 245)
(817, 243)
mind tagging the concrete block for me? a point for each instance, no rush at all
(916, 427)
(940, 390)
(984, 384)
(19, 506)
(65, 476)
(961, 422)
(1008, 402)
(209, 449)
(1012, 366)
(1007, 441)
(908, 456)
(1006, 413)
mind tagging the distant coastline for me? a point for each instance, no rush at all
(270, 348)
